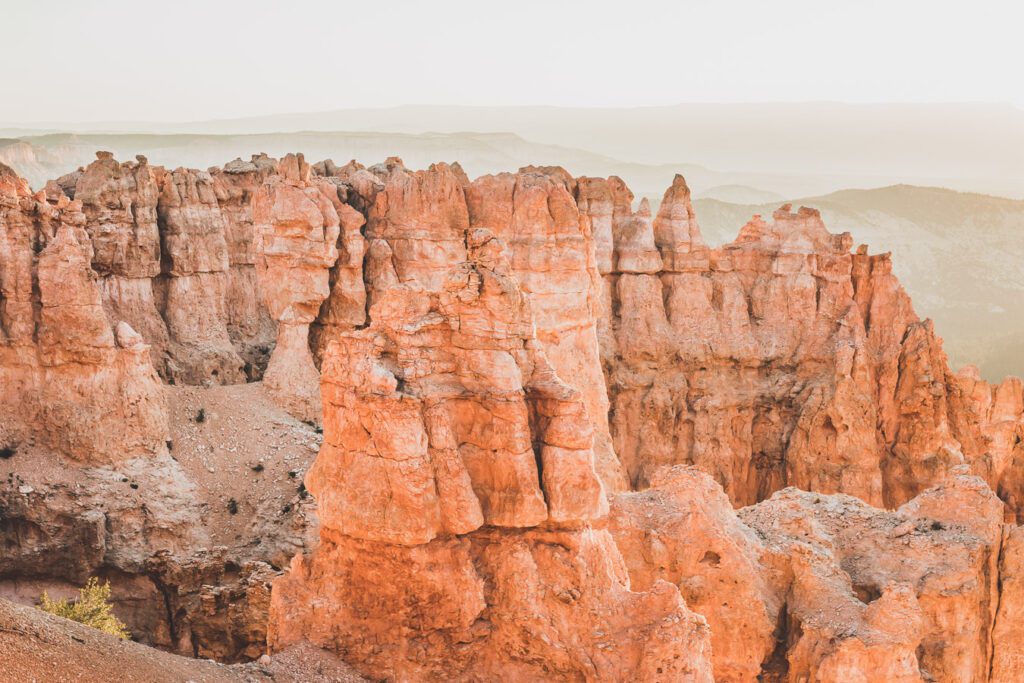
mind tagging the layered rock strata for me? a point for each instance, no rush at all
(779, 359)
(553, 256)
(192, 289)
(84, 424)
(816, 587)
(499, 357)
(457, 464)
(160, 241)
(70, 379)
(297, 228)
(249, 325)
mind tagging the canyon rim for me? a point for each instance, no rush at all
(523, 341)
(517, 427)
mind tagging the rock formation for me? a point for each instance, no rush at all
(563, 438)
(779, 359)
(70, 379)
(192, 289)
(297, 228)
(806, 586)
(160, 241)
(553, 256)
(684, 530)
(459, 465)
(249, 325)
(84, 417)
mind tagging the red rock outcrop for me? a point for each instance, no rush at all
(356, 189)
(458, 465)
(160, 248)
(763, 363)
(934, 561)
(779, 359)
(552, 254)
(817, 587)
(70, 379)
(249, 325)
(1008, 629)
(499, 362)
(192, 290)
(120, 205)
(297, 228)
(989, 420)
(684, 530)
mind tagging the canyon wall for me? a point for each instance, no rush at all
(457, 464)
(781, 359)
(174, 252)
(563, 439)
(71, 380)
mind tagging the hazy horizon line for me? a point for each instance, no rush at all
(56, 123)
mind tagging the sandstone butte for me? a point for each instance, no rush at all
(563, 438)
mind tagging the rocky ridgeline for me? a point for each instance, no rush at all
(558, 432)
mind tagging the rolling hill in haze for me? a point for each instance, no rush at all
(41, 157)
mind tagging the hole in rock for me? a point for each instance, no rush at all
(712, 558)
(866, 593)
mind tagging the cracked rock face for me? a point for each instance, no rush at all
(807, 586)
(563, 438)
(297, 228)
(68, 379)
(780, 359)
(874, 590)
(684, 530)
(460, 466)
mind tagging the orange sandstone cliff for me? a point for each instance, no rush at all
(563, 438)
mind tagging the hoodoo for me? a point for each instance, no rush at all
(562, 437)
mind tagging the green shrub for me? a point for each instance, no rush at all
(92, 608)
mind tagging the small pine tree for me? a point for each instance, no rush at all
(92, 608)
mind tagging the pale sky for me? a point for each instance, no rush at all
(101, 60)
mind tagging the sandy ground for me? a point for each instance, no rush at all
(36, 647)
(245, 449)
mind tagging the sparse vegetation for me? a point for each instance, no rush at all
(92, 608)
(233, 506)
(303, 493)
(201, 415)
(7, 452)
